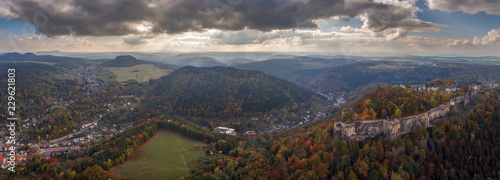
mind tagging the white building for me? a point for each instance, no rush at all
(474, 86)
(433, 88)
(225, 130)
(452, 88)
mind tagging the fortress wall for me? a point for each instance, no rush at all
(344, 130)
(359, 130)
(369, 128)
(411, 122)
(392, 129)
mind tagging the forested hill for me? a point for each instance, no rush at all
(128, 61)
(300, 70)
(36, 85)
(390, 101)
(223, 92)
(351, 76)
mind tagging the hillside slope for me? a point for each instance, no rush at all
(223, 92)
(299, 70)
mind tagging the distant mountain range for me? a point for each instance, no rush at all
(317, 72)
(68, 62)
(195, 60)
(351, 76)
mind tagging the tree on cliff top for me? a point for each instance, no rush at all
(384, 101)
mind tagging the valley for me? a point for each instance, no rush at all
(250, 90)
(159, 120)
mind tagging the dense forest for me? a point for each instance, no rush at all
(224, 92)
(35, 88)
(463, 147)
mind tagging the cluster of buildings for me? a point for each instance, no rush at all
(20, 159)
(89, 125)
(87, 133)
(427, 64)
(328, 96)
(86, 139)
(225, 130)
(251, 133)
(46, 153)
(488, 84)
(277, 127)
(111, 106)
(61, 104)
(126, 96)
(91, 78)
(309, 117)
(46, 150)
(338, 99)
(61, 145)
(446, 90)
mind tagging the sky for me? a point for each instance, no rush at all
(342, 27)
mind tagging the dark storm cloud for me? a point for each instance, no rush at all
(119, 17)
(82, 17)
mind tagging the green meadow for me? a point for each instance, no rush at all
(166, 155)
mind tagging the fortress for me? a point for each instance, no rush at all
(361, 129)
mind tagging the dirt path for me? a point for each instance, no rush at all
(184, 159)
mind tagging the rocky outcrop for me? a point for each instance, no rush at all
(359, 130)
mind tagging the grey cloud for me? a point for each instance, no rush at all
(137, 39)
(396, 18)
(397, 35)
(254, 36)
(116, 18)
(82, 17)
(467, 6)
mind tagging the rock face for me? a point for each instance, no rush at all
(359, 130)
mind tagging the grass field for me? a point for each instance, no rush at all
(105, 75)
(161, 157)
(141, 73)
